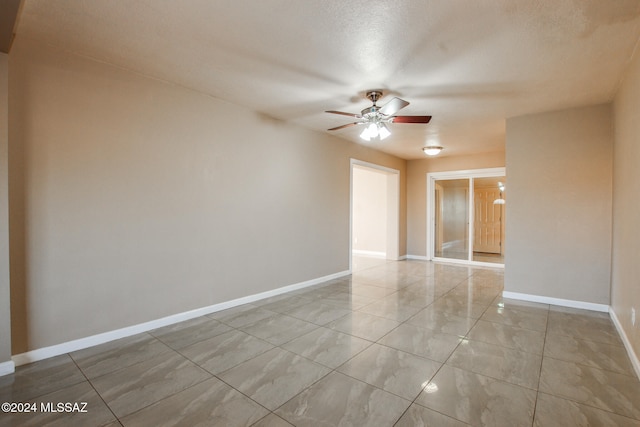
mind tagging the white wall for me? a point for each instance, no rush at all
(558, 233)
(133, 199)
(5, 314)
(369, 211)
(625, 277)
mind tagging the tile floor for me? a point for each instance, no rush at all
(396, 344)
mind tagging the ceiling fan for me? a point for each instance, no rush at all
(376, 118)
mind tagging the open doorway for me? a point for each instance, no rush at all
(375, 209)
(466, 216)
(489, 219)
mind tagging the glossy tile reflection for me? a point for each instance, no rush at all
(421, 342)
(395, 371)
(588, 327)
(364, 325)
(508, 336)
(225, 351)
(274, 377)
(278, 328)
(37, 379)
(209, 403)
(513, 366)
(341, 400)
(478, 399)
(114, 355)
(403, 344)
(525, 319)
(418, 415)
(555, 411)
(591, 353)
(327, 347)
(442, 321)
(132, 388)
(602, 389)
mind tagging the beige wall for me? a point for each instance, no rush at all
(133, 199)
(625, 277)
(558, 237)
(417, 171)
(369, 210)
(5, 316)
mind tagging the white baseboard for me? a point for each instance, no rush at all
(7, 368)
(417, 257)
(82, 343)
(370, 254)
(627, 344)
(557, 301)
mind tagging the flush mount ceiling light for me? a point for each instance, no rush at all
(376, 118)
(432, 150)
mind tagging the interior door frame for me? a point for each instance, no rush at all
(393, 208)
(469, 174)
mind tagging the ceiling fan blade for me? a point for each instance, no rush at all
(344, 114)
(393, 106)
(346, 126)
(411, 119)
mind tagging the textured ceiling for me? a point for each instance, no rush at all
(470, 64)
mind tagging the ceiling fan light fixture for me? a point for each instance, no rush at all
(432, 150)
(375, 118)
(365, 134)
(373, 130)
(383, 131)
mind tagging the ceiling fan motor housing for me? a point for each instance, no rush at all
(374, 95)
(370, 111)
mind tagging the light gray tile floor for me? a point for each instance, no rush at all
(406, 343)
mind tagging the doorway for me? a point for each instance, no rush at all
(466, 216)
(375, 212)
(489, 216)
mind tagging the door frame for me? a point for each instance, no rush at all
(393, 208)
(470, 174)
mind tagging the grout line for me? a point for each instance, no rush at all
(94, 389)
(544, 343)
